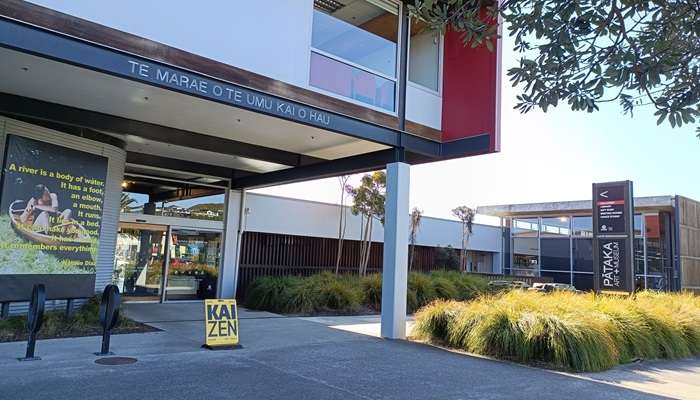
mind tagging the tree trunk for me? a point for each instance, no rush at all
(341, 235)
(410, 257)
(368, 248)
(363, 246)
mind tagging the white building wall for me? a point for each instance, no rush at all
(268, 37)
(281, 215)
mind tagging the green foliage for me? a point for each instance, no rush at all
(421, 291)
(468, 286)
(638, 53)
(580, 332)
(328, 292)
(271, 293)
(447, 258)
(369, 197)
(83, 322)
(372, 289)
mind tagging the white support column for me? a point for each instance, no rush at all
(235, 221)
(395, 275)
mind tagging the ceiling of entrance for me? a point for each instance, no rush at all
(34, 77)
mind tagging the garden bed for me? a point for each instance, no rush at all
(567, 331)
(327, 293)
(84, 322)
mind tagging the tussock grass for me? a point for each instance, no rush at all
(327, 292)
(579, 332)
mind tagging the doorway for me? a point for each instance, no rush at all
(157, 263)
(140, 261)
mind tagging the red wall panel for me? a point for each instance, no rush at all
(471, 91)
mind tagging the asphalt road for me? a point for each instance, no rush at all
(282, 358)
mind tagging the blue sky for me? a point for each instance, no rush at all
(549, 157)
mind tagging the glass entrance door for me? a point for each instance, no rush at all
(193, 266)
(140, 261)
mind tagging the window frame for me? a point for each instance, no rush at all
(341, 60)
(441, 63)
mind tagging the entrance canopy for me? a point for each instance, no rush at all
(170, 118)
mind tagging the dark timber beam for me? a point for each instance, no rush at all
(184, 194)
(342, 166)
(13, 105)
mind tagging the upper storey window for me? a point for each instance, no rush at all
(424, 57)
(353, 50)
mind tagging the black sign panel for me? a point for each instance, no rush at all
(50, 216)
(612, 259)
(610, 208)
(613, 230)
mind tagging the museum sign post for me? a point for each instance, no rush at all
(613, 237)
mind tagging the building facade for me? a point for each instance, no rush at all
(556, 240)
(132, 130)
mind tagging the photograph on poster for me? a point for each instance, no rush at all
(50, 208)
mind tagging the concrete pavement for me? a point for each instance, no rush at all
(282, 358)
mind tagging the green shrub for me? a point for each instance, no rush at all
(468, 286)
(327, 292)
(420, 291)
(444, 288)
(271, 293)
(372, 289)
(580, 332)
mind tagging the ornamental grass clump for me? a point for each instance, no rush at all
(564, 330)
(328, 292)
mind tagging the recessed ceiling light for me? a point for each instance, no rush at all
(25, 69)
(145, 98)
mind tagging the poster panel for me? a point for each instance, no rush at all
(50, 216)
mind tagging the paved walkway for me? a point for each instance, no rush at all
(282, 358)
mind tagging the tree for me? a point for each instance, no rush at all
(640, 53)
(466, 216)
(368, 201)
(416, 217)
(127, 203)
(342, 219)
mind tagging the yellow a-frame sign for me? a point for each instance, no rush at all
(221, 323)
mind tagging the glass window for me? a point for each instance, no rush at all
(583, 281)
(639, 256)
(558, 277)
(359, 32)
(193, 271)
(583, 226)
(133, 202)
(657, 283)
(555, 254)
(638, 225)
(153, 196)
(555, 226)
(340, 78)
(583, 254)
(205, 207)
(424, 57)
(525, 227)
(656, 257)
(525, 256)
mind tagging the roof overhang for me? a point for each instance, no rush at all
(171, 113)
(641, 204)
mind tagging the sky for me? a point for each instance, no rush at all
(548, 157)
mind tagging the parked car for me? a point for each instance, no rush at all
(507, 284)
(551, 287)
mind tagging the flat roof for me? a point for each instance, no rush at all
(648, 203)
